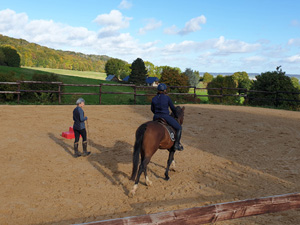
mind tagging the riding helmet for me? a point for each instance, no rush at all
(161, 87)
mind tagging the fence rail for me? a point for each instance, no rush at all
(241, 92)
(214, 213)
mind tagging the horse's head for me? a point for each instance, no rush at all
(180, 114)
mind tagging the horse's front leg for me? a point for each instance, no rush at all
(173, 166)
(170, 160)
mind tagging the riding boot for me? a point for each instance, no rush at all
(77, 154)
(84, 146)
(177, 145)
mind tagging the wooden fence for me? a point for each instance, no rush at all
(213, 213)
(19, 90)
(240, 92)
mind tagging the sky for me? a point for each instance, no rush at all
(205, 35)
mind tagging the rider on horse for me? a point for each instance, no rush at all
(160, 107)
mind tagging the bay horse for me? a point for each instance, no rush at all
(150, 137)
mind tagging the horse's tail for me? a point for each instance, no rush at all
(139, 135)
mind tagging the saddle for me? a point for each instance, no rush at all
(169, 128)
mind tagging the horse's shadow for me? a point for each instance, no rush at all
(107, 159)
(110, 158)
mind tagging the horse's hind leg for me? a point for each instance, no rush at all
(148, 182)
(170, 160)
(142, 168)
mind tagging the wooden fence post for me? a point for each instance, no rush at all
(135, 94)
(195, 95)
(59, 93)
(19, 93)
(276, 99)
(100, 91)
(246, 96)
(221, 93)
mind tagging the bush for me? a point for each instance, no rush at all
(9, 56)
(42, 97)
(296, 83)
(8, 77)
(2, 58)
(220, 82)
(115, 67)
(207, 77)
(172, 77)
(277, 83)
(243, 80)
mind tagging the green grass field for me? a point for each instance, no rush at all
(203, 99)
(73, 73)
(78, 77)
(87, 77)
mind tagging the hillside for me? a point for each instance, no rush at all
(34, 55)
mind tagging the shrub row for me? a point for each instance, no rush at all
(30, 97)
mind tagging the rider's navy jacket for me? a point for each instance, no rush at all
(160, 105)
(78, 117)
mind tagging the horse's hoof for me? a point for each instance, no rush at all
(167, 178)
(131, 194)
(149, 183)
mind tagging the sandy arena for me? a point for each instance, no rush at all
(231, 153)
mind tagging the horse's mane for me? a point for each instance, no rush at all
(178, 112)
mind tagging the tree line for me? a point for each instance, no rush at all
(274, 82)
(24, 53)
(34, 55)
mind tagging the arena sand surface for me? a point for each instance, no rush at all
(231, 153)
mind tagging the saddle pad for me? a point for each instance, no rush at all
(169, 129)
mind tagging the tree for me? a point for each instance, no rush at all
(151, 72)
(220, 82)
(197, 76)
(243, 79)
(11, 56)
(295, 82)
(172, 77)
(207, 77)
(126, 71)
(160, 69)
(2, 58)
(277, 84)
(138, 72)
(114, 67)
(192, 76)
(38, 56)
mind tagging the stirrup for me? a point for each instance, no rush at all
(179, 147)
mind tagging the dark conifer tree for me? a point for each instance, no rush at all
(138, 72)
